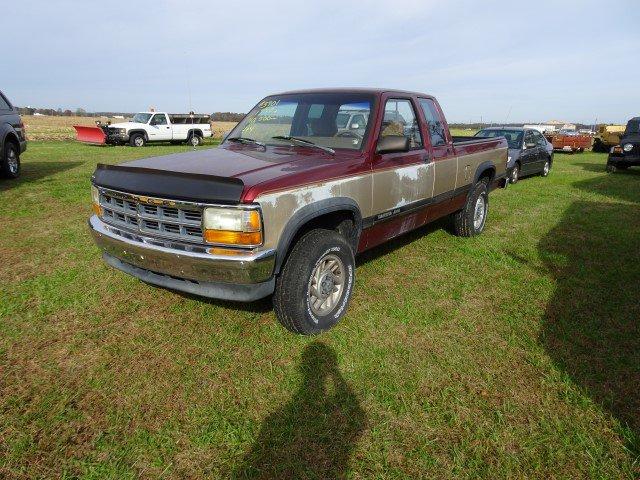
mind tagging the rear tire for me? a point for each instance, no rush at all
(10, 167)
(611, 168)
(314, 287)
(470, 221)
(137, 140)
(195, 140)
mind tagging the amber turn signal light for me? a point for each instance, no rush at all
(228, 237)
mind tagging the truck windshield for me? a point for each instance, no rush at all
(514, 137)
(320, 118)
(141, 117)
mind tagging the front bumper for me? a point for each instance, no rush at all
(241, 276)
(630, 160)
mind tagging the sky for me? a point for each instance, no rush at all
(495, 61)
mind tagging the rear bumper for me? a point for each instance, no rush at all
(23, 146)
(242, 276)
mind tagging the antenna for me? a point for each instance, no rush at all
(508, 114)
(191, 114)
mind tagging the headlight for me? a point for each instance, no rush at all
(123, 131)
(627, 147)
(508, 159)
(232, 226)
(95, 201)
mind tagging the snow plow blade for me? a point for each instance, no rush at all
(94, 135)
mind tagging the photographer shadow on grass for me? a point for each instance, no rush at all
(592, 323)
(314, 434)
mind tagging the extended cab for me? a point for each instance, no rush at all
(13, 140)
(147, 127)
(284, 204)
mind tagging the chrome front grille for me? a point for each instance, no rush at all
(158, 218)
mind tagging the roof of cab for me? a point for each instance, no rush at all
(373, 91)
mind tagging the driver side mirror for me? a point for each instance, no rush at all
(393, 144)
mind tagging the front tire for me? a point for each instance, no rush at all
(470, 221)
(314, 288)
(137, 140)
(546, 169)
(10, 167)
(515, 174)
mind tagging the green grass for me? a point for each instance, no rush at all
(515, 354)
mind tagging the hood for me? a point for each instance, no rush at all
(251, 165)
(127, 125)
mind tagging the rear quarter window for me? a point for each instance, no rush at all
(4, 103)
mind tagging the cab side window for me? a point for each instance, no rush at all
(159, 119)
(540, 141)
(400, 119)
(435, 126)
(4, 105)
(529, 138)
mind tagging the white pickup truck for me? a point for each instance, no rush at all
(149, 127)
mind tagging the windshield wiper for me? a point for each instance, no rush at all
(304, 142)
(246, 140)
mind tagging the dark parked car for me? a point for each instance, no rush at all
(529, 152)
(627, 154)
(12, 139)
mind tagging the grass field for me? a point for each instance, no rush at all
(515, 354)
(61, 128)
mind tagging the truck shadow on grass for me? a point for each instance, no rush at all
(314, 434)
(34, 171)
(592, 324)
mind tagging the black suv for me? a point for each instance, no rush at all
(627, 153)
(12, 139)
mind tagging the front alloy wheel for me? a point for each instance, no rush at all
(515, 174)
(315, 284)
(10, 168)
(546, 169)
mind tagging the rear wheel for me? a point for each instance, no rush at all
(137, 140)
(315, 285)
(612, 168)
(195, 140)
(470, 221)
(10, 167)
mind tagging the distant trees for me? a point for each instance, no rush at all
(226, 117)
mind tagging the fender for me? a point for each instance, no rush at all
(308, 213)
(9, 136)
(139, 130)
(483, 167)
(196, 131)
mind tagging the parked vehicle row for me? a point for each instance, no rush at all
(307, 180)
(627, 153)
(13, 140)
(530, 153)
(147, 127)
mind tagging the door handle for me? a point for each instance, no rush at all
(426, 158)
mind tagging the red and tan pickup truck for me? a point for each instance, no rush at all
(291, 195)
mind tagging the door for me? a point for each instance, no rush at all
(541, 142)
(402, 181)
(530, 153)
(159, 128)
(442, 151)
